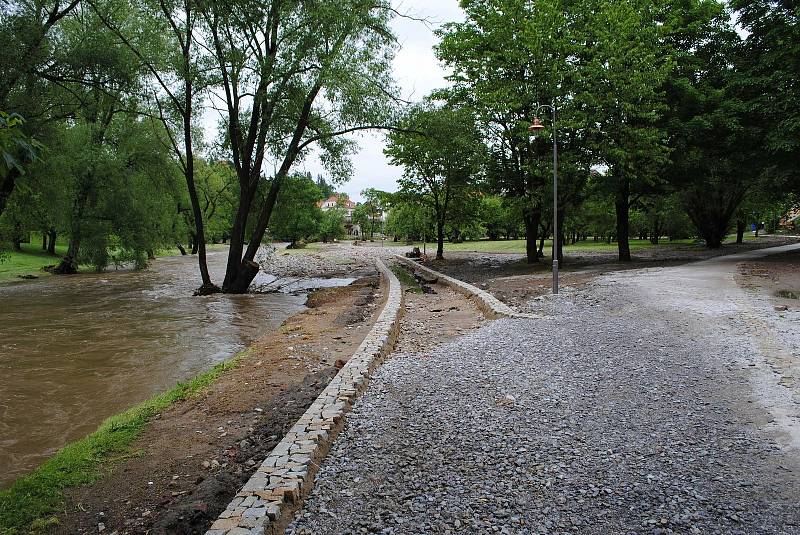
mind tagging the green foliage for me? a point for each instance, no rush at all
(331, 225)
(17, 150)
(410, 221)
(297, 216)
(441, 152)
(767, 71)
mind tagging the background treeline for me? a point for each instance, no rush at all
(675, 118)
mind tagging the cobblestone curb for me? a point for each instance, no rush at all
(265, 504)
(491, 306)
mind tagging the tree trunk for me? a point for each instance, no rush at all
(44, 241)
(195, 244)
(622, 204)
(51, 245)
(740, 227)
(181, 249)
(439, 237)
(7, 186)
(532, 220)
(199, 246)
(69, 264)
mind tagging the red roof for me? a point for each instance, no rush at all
(347, 203)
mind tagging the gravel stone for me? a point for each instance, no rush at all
(606, 415)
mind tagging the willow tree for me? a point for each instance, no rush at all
(26, 42)
(293, 75)
(163, 35)
(441, 152)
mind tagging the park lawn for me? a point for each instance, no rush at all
(32, 502)
(28, 262)
(518, 246)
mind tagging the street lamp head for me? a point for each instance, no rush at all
(535, 126)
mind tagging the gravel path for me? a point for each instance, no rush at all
(623, 410)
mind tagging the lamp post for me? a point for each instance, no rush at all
(535, 127)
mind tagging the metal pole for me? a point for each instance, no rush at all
(555, 204)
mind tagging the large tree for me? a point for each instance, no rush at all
(441, 153)
(293, 75)
(162, 35)
(768, 70)
(623, 66)
(713, 159)
(508, 58)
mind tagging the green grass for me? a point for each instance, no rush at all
(406, 279)
(518, 246)
(32, 502)
(28, 262)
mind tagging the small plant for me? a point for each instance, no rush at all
(407, 279)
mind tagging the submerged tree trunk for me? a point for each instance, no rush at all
(69, 264)
(622, 205)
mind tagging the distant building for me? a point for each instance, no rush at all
(339, 201)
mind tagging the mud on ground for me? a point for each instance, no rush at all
(434, 317)
(192, 458)
(773, 283)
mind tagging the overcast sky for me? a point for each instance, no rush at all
(417, 72)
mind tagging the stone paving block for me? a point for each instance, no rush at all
(281, 478)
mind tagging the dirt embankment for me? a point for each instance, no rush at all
(192, 458)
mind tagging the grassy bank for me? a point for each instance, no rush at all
(29, 261)
(32, 502)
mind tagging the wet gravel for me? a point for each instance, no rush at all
(605, 416)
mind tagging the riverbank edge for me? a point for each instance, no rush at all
(269, 499)
(30, 504)
(491, 306)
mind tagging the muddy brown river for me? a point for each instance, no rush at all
(77, 349)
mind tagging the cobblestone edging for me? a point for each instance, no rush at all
(488, 304)
(266, 502)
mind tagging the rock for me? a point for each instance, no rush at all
(425, 278)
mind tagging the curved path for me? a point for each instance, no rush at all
(648, 403)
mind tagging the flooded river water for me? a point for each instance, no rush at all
(77, 349)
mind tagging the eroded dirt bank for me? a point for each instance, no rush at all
(192, 458)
